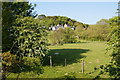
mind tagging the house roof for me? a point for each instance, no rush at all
(57, 27)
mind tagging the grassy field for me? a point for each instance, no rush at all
(93, 53)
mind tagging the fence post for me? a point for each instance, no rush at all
(50, 61)
(82, 66)
(65, 61)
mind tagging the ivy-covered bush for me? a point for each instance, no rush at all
(30, 38)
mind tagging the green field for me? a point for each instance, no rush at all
(92, 52)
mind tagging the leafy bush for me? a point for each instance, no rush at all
(113, 68)
(69, 77)
(69, 36)
(11, 64)
(56, 37)
(94, 32)
(61, 36)
(28, 64)
(7, 61)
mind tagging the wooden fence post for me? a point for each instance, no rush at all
(50, 61)
(65, 61)
(82, 66)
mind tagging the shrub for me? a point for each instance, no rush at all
(7, 61)
(61, 36)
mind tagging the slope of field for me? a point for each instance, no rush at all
(93, 53)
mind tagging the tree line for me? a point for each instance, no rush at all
(49, 21)
(97, 32)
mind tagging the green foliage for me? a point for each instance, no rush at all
(56, 37)
(28, 64)
(113, 68)
(41, 16)
(93, 32)
(30, 38)
(69, 36)
(61, 36)
(7, 58)
(29, 46)
(49, 21)
(103, 21)
(69, 77)
(7, 61)
(99, 32)
(11, 11)
(80, 32)
(23, 37)
(33, 64)
(73, 54)
(78, 24)
(115, 46)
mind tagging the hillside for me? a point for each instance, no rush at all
(49, 21)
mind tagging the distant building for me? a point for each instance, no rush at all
(66, 25)
(73, 28)
(61, 26)
(57, 27)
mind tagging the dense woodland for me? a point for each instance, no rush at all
(25, 39)
(49, 21)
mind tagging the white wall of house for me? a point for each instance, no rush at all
(65, 26)
(53, 28)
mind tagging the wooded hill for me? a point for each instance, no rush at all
(49, 21)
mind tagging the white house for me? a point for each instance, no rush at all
(61, 26)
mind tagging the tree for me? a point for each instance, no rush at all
(11, 11)
(30, 38)
(30, 45)
(61, 36)
(103, 21)
(41, 16)
(93, 32)
(57, 37)
(49, 21)
(7, 58)
(22, 37)
(69, 35)
(76, 24)
(98, 32)
(113, 68)
(79, 31)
